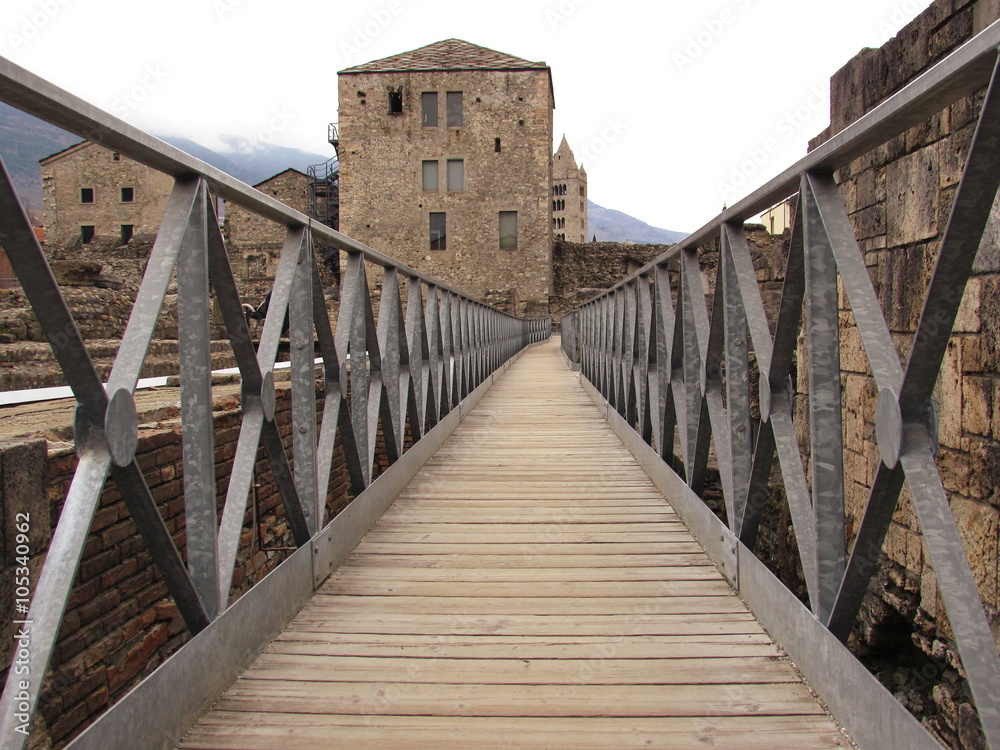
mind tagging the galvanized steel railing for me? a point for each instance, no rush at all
(650, 348)
(408, 370)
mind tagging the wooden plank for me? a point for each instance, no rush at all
(599, 642)
(447, 624)
(452, 559)
(529, 549)
(547, 649)
(416, 699)
(720, 670)
(551, 536)
(266, 731)
(566, 605)
(392, 526)
(387, 575)
(373, 588)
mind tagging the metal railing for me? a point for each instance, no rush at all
(407, 370)
(680, 378)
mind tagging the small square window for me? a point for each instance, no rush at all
(454, 102)
(116, 156)
(86, 233)
(429, 175)
(508, 230)
(127, 231)
(128, 195)
(429, 109)
(86, 195)
(456, 175)
(437, 233)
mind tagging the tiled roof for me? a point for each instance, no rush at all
(450, 54)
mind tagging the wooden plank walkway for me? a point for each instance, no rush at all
(529, 589)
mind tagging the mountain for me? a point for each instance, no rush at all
(246, 163)
(610, 225)
(24, 140)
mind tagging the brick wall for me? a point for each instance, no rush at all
(899, 198)
(120, 622)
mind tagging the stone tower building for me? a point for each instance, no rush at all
(446, 164)
(90, 193)
(569, 196)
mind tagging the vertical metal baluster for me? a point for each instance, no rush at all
(737, 379)
(826, 430)
(303, 375)
(198, 435)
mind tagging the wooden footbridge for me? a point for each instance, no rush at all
(563, 551)
(529, 588)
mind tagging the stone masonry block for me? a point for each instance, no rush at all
(970, 312)
(977, 406)
(911, 197)
(23, 496)
(948, 396)
(988, 257)
(979, 526)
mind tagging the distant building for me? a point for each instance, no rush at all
(777, 218)
(254, 242)
(446, 164)
(569, 196)
(91, 193)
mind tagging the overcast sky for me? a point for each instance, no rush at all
(674, 109)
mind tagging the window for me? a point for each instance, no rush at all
(581, 191)
(508, 230)
(456, 175)
(86, 195)
(396, 101)
(454, 101)
(128, 195)
(127, 232)
(430, 175)
(116, 156)
(438, 233)
(87, 233)
(496, 145)
(429, 108)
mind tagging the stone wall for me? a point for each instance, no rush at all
(899, 198)
(384, 205)
(120, 622)
(581, 270)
